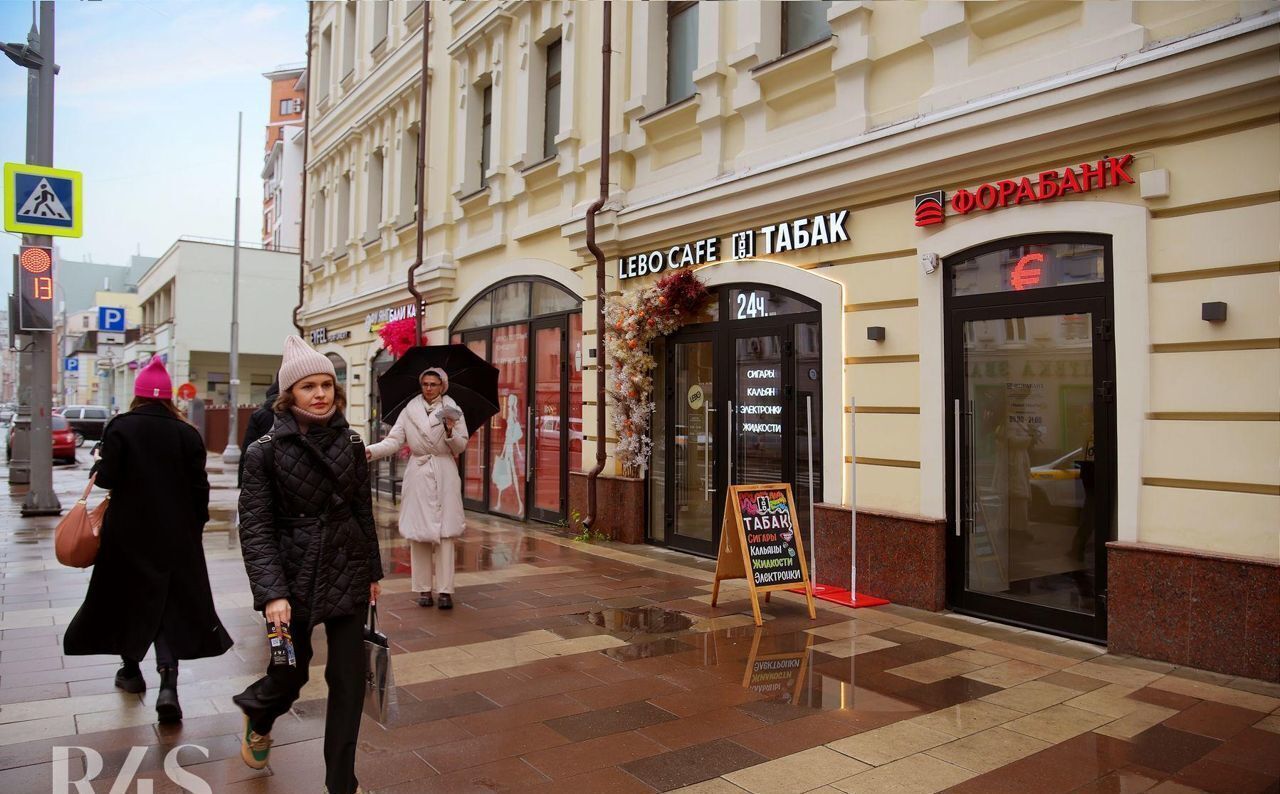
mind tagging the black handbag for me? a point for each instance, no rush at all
(379, 685)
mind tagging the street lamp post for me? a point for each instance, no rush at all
(231, 454)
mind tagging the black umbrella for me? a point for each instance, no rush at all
(473, 382)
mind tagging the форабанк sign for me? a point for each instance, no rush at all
(776, 238)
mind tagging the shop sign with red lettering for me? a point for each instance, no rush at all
(1105, 173)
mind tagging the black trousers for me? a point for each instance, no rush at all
(274, 694)
(164, 656)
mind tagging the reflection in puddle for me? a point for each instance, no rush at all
(640, 620)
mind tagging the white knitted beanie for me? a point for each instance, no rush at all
(301, 361)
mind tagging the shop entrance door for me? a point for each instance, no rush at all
(1031, 388)
(736, 409)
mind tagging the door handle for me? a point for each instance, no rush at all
(530, 448)
(956, 462)
(708, 485)
(729, 441)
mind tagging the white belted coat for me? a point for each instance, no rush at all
(432, 497)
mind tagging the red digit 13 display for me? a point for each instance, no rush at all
(35, 280)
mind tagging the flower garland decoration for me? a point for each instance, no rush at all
(399, 335)
(630, 326)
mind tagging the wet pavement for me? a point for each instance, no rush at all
(567, 667)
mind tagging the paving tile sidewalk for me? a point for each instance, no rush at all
(603, 668)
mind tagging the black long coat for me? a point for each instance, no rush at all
(150, 575)
(306, 521)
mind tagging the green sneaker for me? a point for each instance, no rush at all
(254, 749)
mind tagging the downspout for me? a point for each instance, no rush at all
(419, 308)
(593, 475)
(302, 225)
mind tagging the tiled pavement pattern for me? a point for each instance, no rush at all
(517, 688)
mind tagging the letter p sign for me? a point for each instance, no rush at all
(111, 318)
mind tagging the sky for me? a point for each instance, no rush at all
(145, 106)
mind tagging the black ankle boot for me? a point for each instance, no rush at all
(129, 678)
(424, 599)
(167, 707)
(446, 601)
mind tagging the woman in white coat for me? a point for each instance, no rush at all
(431, 512)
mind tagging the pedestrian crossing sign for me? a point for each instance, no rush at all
(40, 200)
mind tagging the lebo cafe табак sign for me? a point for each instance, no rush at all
(760, 542)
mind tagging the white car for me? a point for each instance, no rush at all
(1056, 485)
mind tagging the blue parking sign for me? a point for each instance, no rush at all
(111, 319)
(72, 364)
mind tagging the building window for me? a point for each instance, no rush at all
(373, 210)
(326, 61)
(344, 209)
(408, 175)
(551, 107)
(339, 368)
(804, 22)
(381, 15)
(286, 107)
(682, 49)
(348, 39)
(318, 235)
(486, 133)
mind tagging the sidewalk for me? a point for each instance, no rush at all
(567, 667)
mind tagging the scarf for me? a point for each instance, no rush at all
(315, 419)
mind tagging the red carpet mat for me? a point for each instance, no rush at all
(838, 595)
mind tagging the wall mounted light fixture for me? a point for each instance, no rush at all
(875, 333)
(1213, 312)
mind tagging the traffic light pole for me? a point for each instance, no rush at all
(40, 499)
(231, 453)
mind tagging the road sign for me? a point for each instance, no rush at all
(72, 364)
(109, 351)
(33, 273)
(40, 200)
(187, 391)
(110, 339)
(111, 318)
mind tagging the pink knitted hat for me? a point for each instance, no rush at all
(153, 381)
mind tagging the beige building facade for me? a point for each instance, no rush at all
(1011, 266)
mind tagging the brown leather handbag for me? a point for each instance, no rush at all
(75, 541)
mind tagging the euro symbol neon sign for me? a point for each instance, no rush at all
(1027, 272)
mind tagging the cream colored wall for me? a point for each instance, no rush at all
(906, 98)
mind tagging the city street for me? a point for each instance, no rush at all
(572, 667)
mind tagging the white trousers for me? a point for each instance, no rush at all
(432, 566)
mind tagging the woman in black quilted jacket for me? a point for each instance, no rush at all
(311, 551)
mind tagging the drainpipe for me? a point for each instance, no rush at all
(302, 225)
(593, 475)
(418, 306)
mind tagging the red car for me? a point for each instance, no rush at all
(64, 441)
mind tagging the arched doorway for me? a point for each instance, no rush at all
(739, 401)
(531, 330)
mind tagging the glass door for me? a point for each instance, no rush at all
(475, 485)
(1029, 496)
(548, 440)
(760, 409)
(693, 499)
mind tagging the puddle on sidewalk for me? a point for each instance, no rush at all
(640, 620)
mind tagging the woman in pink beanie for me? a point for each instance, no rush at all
(311, 550)
(150, 584)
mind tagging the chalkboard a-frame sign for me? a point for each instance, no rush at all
(760, 542)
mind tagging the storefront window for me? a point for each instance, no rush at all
(507, 459)
(339, 367)
(551, 300)
(479, 315)
(575, 392)
(511, 302)
(1028, 267)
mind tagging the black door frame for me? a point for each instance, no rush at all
(560, 322)
(1095, 298)
(482, 506)
(723, 334)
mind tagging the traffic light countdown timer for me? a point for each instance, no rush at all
(35, 288)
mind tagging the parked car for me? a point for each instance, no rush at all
(64, 441)
(1056, 486)
(87, 421)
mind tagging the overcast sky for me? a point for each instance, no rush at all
(146, 105)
